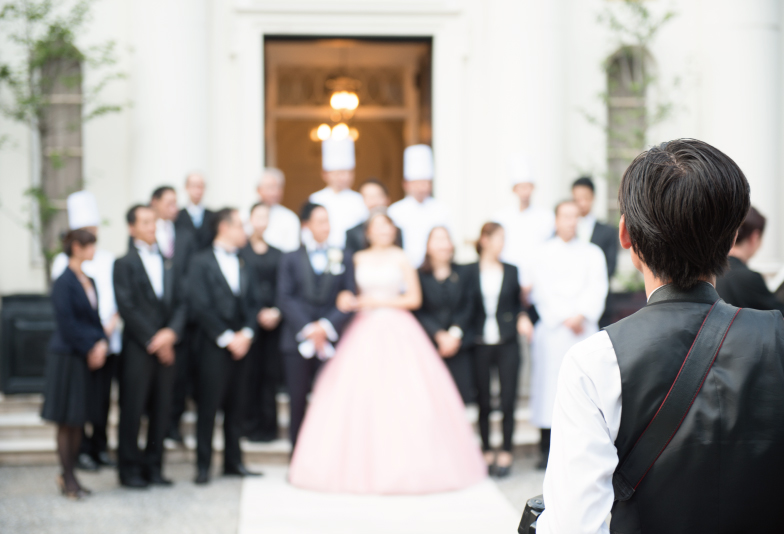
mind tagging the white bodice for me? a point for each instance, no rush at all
(379, 279)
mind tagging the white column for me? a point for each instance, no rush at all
(741, 113)
(169, 79)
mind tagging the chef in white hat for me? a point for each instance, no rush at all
(345, 207)
(83, 213)
(418, 213)
(527, 227)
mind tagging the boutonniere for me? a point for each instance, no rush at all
(335, 261)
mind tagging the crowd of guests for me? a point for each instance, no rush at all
(227, 308)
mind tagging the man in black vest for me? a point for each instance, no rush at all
(148, 300)
(720, 469)
(309, 281)
(740, 286)
(222, 299)
(194, 218)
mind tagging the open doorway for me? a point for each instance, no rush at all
(386, 82)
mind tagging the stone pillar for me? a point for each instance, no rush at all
(170, 91)
(741, 114)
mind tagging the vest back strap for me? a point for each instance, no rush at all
(678, 401)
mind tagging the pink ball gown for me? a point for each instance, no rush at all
(385, 416)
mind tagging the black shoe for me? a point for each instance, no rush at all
(202, 477)
(85, 462)
(174, 435)
(103, 458)
(262, 437)
(133, 482)
(240, 471)
(156, 479)
(502, 471)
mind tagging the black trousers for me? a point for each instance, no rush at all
(300, 373)
(100, 395)
(221, 387)
(506, 359)
(185, 369)
(264, 370)
(460, 367)
(145, 387)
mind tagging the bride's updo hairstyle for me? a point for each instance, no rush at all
(371, 232)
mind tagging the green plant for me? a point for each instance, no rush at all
(45, 90)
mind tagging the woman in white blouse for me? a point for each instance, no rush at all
(499, 318)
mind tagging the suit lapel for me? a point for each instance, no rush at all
(217, 270)
(168, 283)
(243, 276)
(143, 272)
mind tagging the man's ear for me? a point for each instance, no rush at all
(623, 234)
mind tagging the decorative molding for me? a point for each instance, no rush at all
(353, 8)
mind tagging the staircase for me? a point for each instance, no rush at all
(25, 439)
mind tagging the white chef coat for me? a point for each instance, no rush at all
(568, 279)
(416, 220)
(585, 228)
(101, 270)
(525, 231)
(346, 210)
(283, 229)
(578, 490)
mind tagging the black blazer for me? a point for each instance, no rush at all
(215, 307)
(606, 238)
(356, 240)
(78, 324)
(447, 303)
(141, 310)
(744, 288)
(203, 235)
(510, 304)
(263, 270)
(303, 298)
(184, 250)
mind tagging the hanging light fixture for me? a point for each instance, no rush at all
(344, 101)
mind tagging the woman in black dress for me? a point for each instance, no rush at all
(447, 308)
(498, 319)
(265, 365)
(78, 346)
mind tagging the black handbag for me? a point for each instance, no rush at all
(672, 411)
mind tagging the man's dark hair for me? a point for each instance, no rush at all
(160, 191)
(130, 215)
(683, 202)
(584, 181)
(753, 222)
(306, 211)
(221, 216)
(81, 236)
(375, 181)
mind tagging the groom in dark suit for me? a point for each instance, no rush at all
(309, 282)
(222, 300)
(150, 304)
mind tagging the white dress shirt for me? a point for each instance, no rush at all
(525, 231)
(229, 265)
(101, 270)
(346, 210)
(416, 220)
(578, 492)
(585, 228)
(491, 282)
(165, 236)
(283, 229)
(153, 265)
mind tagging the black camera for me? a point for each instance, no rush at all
(533, 509)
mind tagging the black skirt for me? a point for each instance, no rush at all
(66, 397)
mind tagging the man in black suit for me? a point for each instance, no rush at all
(602, 235)
(739, 285)
(194, 218)
(376, 197)
(178, 247)
(148, 300)
(222, 299)
(309, 282)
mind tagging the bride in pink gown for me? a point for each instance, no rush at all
(385, 416)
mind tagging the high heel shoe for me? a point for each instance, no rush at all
(503, 471)
(73, 495)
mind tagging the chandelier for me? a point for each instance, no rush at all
(344, 101)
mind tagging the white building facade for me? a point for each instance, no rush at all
(508, 75)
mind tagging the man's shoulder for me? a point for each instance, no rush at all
(588, 353)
